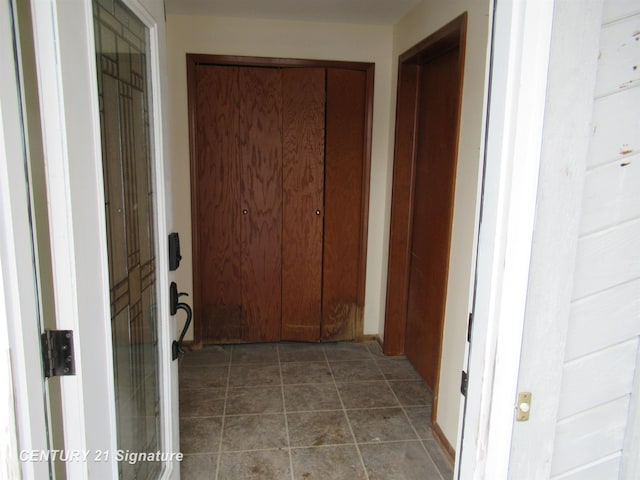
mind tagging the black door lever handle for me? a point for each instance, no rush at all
(176, 348)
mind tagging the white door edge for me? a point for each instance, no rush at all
(18, 296)
(521, 40)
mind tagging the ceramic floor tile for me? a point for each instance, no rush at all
(255, 353)
(375, 349)
(314, 429)
(420, 418)
(327, 463)
(366, 395)
(256, 465)
(398, 461)
(311, 397)
(439, 458)
(308, 372)
(356, 371)
(301, 352)
(380, 425)
(207, 356)
(398, 369)
(200, 434)
(201, 402)
(242, 400)
(201, 466)
(346, 351)
(412, 393)
(203, 377)
(254, 375)
(254, 432)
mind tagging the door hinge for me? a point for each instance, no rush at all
(464, 383)
(469, 325)
(57, 353)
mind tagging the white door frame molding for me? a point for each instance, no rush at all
(520, 56)
(20, 348)
(567, 132)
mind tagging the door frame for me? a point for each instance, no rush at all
(450, 36)
(516, 98)
(66, 65)
(23, 393)
(193, 60)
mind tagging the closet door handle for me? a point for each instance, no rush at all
(245, 211)
(317, 212)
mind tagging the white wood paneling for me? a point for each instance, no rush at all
(589, 436)
(630, 465)
(607, 318)
(597, 378)
(608, 468)
(607, 258)
(611, 194)
(619, 57)
(615, 128)
(616, 9)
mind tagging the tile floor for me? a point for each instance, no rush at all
(292, 411)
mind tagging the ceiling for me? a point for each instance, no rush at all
(369, 12)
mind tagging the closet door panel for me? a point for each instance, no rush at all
(303, 132)
(344, 160)
(260, 147)
(218, 295)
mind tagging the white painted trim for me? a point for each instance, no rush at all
(567, 130)
(65, 60)
(630, 463)
(522, 31)
(19, 299)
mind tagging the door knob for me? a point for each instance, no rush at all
(245, 211)
(317, 212)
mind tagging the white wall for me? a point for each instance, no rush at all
(285, 39)
(424, 20)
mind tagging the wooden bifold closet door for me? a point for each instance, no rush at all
(277, 174)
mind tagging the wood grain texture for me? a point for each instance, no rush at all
(343, 227)
(260, 148)
(217, 182)
(401, 218)
(436, 160)
(303, 131)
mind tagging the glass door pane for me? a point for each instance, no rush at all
(122, 48)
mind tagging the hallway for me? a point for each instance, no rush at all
(305, 411)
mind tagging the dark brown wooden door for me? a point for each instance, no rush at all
(435, 169)
(303, 132)
(217, 206)
(279, 163)
(260, 150)
(345, 144)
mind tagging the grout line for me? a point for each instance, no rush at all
(224, 414)
(403, 407)
(284, 411)
(344, 410)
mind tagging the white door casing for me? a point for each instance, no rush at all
(18, 300)
(65, 58)
(520, 53)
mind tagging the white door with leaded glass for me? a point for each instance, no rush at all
(101, 91)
